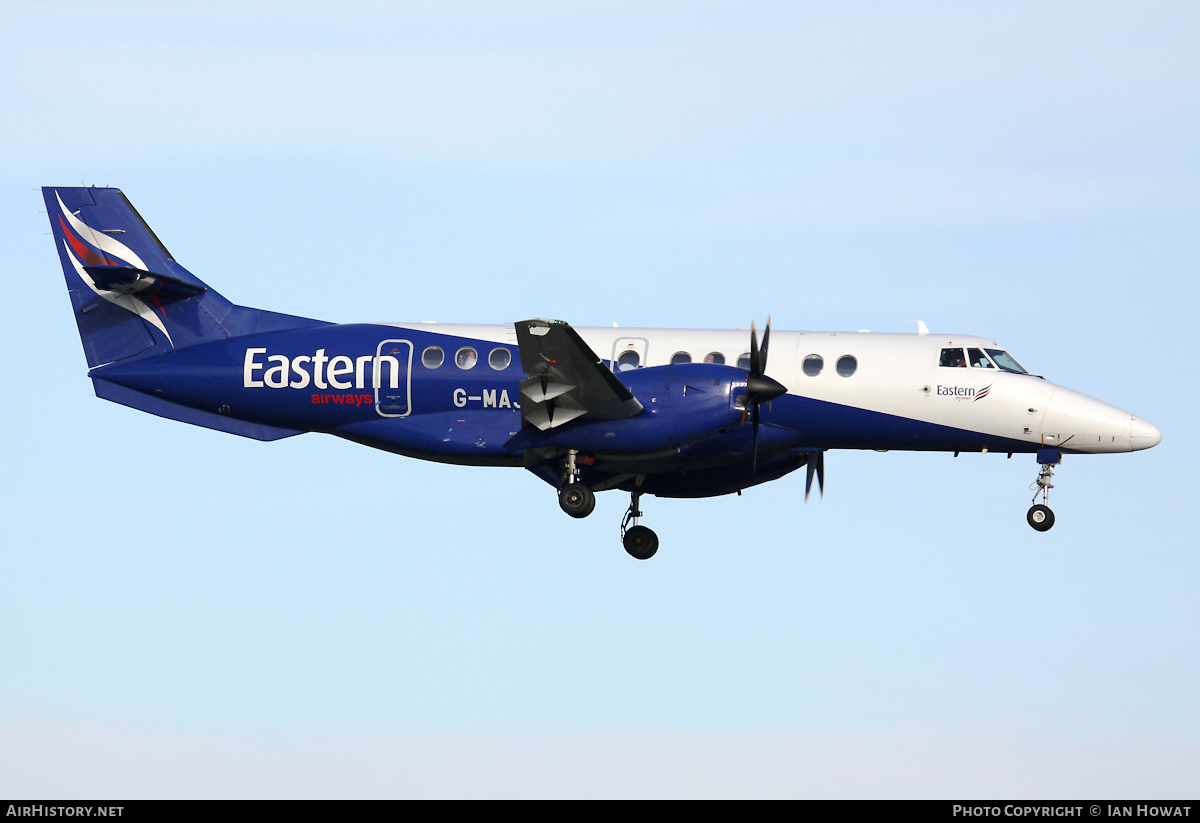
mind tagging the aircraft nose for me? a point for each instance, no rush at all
(1142, 435)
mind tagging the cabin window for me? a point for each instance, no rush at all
(433, 357)
(466, 358)
(744, 362)
(680, 357)
(813, 364)
(627, 360)
(499, 359)
(1005, 361)
(953, 358)
(846, 365)
(715, 357)
(979, 359)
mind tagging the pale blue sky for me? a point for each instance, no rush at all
(194, 614)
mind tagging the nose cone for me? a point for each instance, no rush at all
(1142, 435)
(1084, 424)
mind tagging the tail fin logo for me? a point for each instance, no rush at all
(107, 245)
(89, 256)
(96, 249)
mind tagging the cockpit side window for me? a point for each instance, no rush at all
(953, 358)
(979, 359)
(1005, 361)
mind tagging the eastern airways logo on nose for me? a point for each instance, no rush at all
(963, 393)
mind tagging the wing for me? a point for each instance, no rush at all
(566, 378)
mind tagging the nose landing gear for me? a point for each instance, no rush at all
(640, 541)
(1039, 515)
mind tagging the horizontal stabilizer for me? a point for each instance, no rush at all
(130, 280)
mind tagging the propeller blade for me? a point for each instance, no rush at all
(762, 354)
(754, 416)
(816, 467)
(755, 355)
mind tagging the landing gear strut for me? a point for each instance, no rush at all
(574, 497)
(640, 541)
(1039, 515)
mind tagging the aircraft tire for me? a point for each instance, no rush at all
(641, 542)
(577, 500)
(1041, 518)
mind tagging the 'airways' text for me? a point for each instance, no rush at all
(344, 399)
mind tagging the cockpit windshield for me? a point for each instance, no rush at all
(1005, 361)
(978, 360)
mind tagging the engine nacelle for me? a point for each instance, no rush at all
(681, 404)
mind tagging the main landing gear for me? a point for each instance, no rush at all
(1039, 515)
(578, 500)
(574, 497)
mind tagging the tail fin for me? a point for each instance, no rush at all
(131, 299)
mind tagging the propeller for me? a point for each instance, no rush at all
(816, 466)
(760, 388)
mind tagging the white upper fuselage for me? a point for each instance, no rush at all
(893, 374)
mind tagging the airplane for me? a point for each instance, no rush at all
(665, 412)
